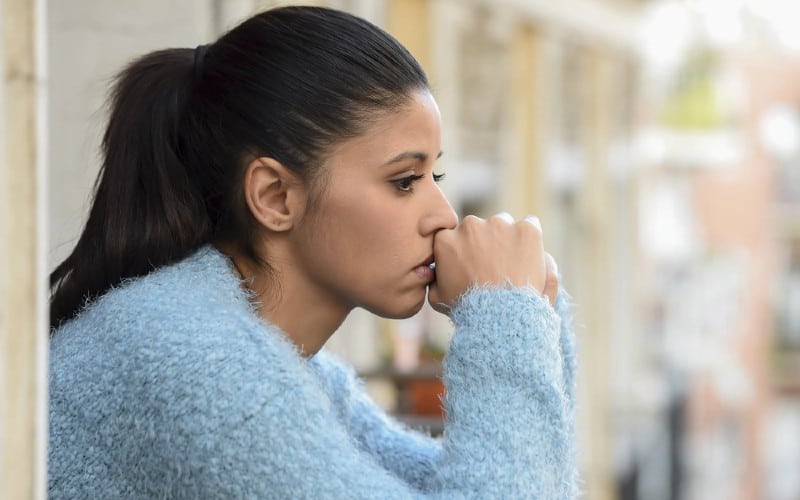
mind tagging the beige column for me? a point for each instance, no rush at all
(22, 329)
(525, 184)
(596, 300)
(410, 22)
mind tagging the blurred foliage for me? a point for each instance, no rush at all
(693, 103)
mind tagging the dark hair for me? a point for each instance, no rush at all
(288, 83)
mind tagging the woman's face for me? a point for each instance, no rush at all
(369, 241)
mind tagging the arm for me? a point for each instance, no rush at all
(230, 416)
(408, 454)
(506, 404)
(563, 307)
(567, 343)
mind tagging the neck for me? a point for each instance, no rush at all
(290, 301)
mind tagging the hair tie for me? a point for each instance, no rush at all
(199, 59)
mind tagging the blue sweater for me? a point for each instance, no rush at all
(171, 386)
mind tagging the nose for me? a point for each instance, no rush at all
(439, 214)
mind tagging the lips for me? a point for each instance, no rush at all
(425, 270)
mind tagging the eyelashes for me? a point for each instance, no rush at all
(406, 184)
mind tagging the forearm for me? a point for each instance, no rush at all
(407, 453)
(509, 412)
(508, 420)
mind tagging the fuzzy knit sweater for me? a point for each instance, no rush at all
(171, 386)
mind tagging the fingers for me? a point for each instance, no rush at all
(532, 219)
(505, 217)
(551, 268)
(495, 251)
(551, 279)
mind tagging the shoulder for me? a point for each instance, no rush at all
(185, 329)
(199, 290)
(166, 374)
(200, 285)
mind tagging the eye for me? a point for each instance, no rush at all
(406, 183)
(438, 177)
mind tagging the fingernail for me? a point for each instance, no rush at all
(506, 217)
(535, 221)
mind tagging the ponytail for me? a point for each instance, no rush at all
(146, 211)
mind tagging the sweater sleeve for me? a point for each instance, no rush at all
(509, 431)
(567, 345)
(406, 453)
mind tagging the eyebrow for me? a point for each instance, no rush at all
(416, 155)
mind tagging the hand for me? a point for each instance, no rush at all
(496, 251)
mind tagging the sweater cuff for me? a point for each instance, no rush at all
(511, 332)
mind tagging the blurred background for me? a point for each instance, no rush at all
(658, 141)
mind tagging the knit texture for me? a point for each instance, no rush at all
(171, 386)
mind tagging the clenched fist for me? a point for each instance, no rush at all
(494, 252)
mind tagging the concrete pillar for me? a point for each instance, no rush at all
(23, 334)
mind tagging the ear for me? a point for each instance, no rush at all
(275, 195)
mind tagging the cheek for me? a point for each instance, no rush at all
(364, 230)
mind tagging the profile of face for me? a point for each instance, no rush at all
(370, 239)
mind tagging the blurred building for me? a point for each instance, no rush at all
(718, 223)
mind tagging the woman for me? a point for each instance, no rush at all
(253, 192)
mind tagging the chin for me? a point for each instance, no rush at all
(397, 310)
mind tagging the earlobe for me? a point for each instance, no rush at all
(274, 194)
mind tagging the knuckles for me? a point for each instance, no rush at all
(529, 231)
(491, 251)
(470, 222)
(497, 227)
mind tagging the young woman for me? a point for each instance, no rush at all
(253, 192)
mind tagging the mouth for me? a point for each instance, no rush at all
(425, 269)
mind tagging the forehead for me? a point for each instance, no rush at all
(416, 126)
